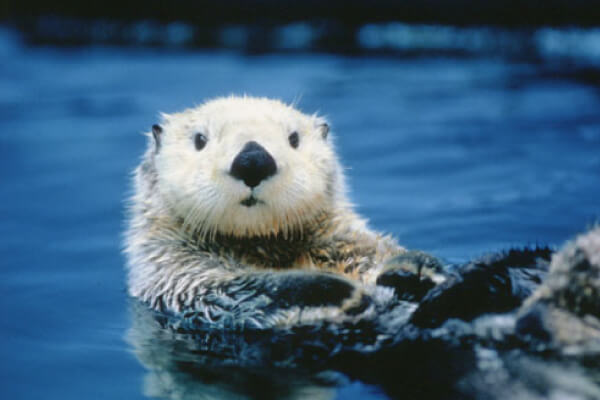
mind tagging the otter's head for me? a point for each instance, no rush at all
(246, 167)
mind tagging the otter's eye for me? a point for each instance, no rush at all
(294, 140)
(200, 141)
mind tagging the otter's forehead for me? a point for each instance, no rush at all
(217, 115)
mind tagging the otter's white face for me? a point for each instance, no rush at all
(246, 166)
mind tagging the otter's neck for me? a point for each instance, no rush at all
(281, 250)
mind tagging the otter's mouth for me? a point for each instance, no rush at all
(251, 201)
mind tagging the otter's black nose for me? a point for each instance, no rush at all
(253, 164)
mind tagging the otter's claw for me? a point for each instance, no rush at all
(412, 274)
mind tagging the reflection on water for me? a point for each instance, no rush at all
(289, 364)
(216, 366)
(456, 361)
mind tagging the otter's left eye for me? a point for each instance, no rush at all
(200, 141)
(294, 140)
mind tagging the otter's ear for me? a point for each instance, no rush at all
(324, 128)
(157, 131)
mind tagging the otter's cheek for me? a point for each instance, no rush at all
(229, 191)
(231, 194)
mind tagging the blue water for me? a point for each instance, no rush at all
(455, 156)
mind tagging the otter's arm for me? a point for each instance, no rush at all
(379, 260)
(269, 299)
(210, 291)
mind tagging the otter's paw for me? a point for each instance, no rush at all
(412, 275)
(494, 284)
(315, 289)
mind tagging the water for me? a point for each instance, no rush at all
(454, 155)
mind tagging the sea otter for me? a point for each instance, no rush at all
(240, 220)
(240, 217)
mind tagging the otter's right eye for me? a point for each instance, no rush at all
(294, 140)
(200, 141)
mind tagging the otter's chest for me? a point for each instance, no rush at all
(339, 254)
(274, 252)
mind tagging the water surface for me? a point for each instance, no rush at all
(457, 156)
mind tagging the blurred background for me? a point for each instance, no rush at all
(467, 127)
